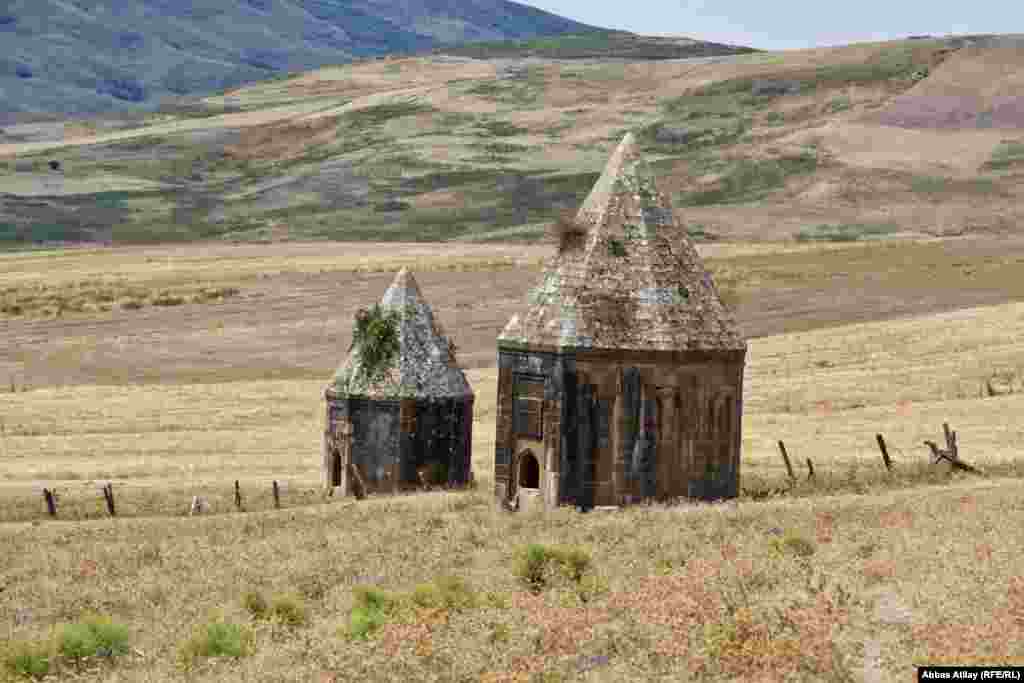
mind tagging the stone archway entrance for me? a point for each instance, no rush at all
(528, 471)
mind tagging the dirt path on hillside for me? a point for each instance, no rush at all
(298, 325)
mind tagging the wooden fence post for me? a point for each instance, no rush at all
(51, 504)
(277, 496)
(108, 495)
(785, 458)
(810, 469)
(238, 496)
(358, 485)
(885, 452)
(950, 441)
(951, 454)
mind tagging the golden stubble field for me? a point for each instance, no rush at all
(856, 576)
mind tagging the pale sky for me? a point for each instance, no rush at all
(786, 24)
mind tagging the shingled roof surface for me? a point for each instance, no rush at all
(633, 282)
(425, 366)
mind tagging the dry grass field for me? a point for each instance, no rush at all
(855, 576)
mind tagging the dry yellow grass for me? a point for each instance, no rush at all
(809, 590)
(820, 587)
(825, 392)
(229, 263)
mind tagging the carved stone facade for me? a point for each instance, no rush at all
(624, 379)
(639, 426)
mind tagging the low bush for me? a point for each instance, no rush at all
(534, 564)
(28, 659)
(374, 607)
(94, 636)
(371, 611)
(216, 638)
(447, 592)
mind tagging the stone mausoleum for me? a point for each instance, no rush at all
(399, 410)
(623, 381)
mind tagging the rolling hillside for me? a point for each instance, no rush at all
(838, 144)
(88, 56)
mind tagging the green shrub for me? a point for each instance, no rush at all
(217, 638)
(372, 608)
(289, 609)
(534, 562)
(575, 562)
(375, 599)
(364, 621)
(28, 659)
(94, 636)
(531, 566)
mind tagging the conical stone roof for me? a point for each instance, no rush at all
(634, 282)
(424, 365)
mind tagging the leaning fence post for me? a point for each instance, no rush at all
(885, 452)
(238, 495)
(51, 504)
(785, 458)
(108, 495)
(277, 495)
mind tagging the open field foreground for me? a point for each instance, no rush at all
(843, 588)
(856, 578)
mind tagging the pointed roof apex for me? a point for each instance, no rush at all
(635, 282)
(424, 364)
(628, 143)
(621, 173)
(404, 290)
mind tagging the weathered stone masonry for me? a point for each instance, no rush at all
(624, 379)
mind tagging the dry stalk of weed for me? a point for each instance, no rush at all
(566, 232)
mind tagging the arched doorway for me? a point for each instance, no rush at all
(335, 467)
(528, 474)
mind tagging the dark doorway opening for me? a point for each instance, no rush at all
(529, 471)
(335, 468)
